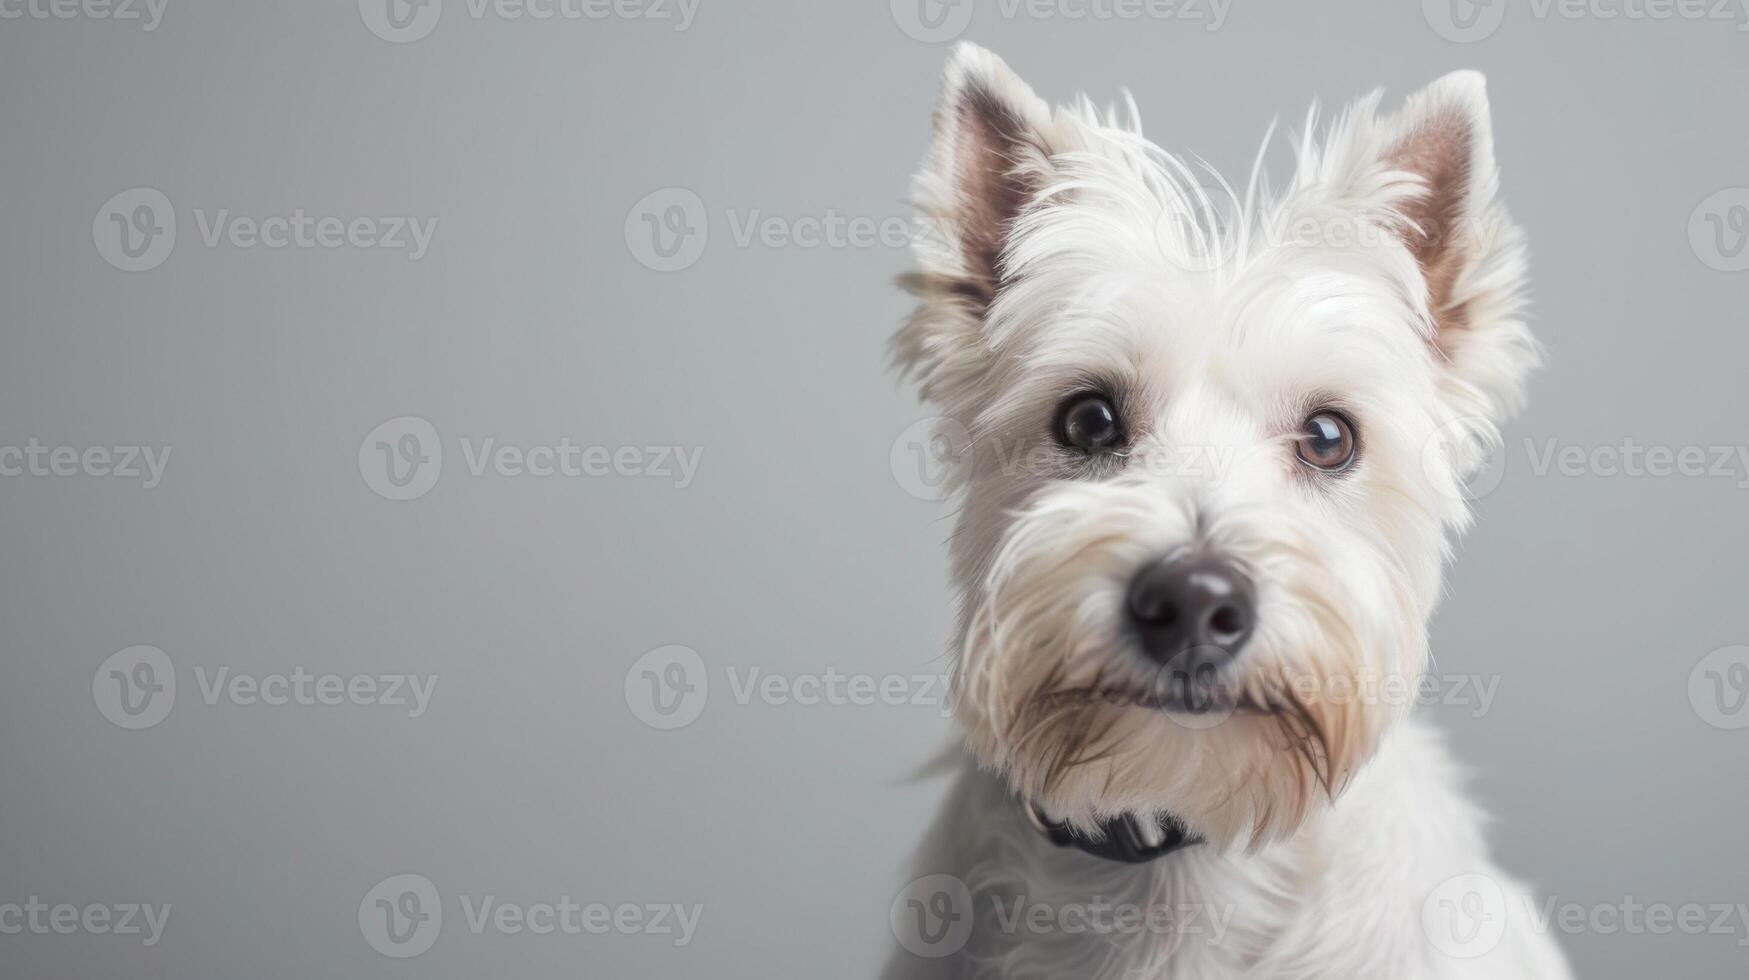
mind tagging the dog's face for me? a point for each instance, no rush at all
(1209, 466)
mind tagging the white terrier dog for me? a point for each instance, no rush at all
(1210, 462)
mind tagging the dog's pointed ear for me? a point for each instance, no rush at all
(1469, 252)
(988, 162)
(989, 159)
(1445, 139)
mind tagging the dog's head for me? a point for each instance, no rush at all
(1210, 444)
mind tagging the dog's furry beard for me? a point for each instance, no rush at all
(1053, 695)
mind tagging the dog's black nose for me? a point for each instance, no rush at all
(1192, 602)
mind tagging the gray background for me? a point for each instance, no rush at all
(796, 549)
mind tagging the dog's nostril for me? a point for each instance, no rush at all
(1153, 606)
(1227, 622)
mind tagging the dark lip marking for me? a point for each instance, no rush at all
(1177, 699)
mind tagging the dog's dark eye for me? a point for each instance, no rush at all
(1327, 441)
(1088, 422)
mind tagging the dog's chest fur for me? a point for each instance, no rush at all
(1343, 899)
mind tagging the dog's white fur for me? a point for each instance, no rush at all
(1384, 280)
